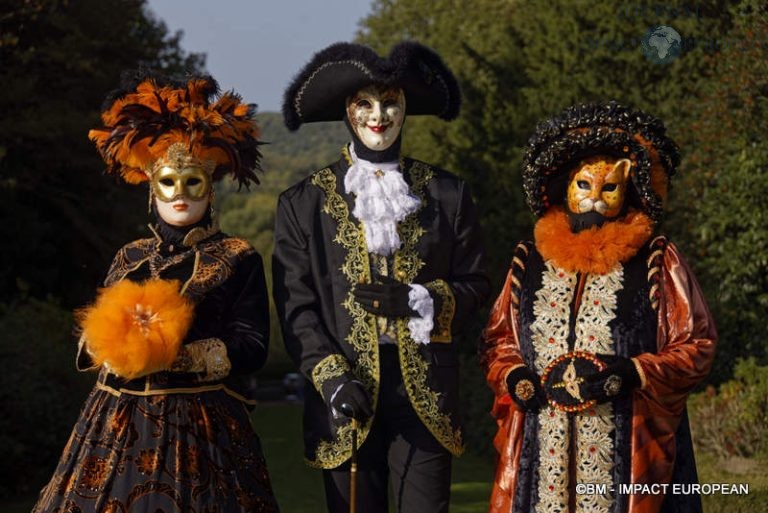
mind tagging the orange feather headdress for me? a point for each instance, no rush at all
(151, 113)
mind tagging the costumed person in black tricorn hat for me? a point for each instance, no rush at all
(601, 331)
(377, 264)
(181, 322)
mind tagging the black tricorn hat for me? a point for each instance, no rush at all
(609, 129)
(319, 92)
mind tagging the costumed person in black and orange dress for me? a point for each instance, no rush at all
(181, 322)
(601, 331)
(378, 264)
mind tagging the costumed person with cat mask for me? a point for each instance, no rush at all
(377, 265)
(600, 331)
(181, 323)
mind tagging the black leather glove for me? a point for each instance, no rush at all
(388, 299)
(352, 400)
(614, 382)
(525, 389)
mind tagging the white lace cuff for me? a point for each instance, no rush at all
(422, 303)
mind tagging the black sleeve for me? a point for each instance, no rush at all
(458, 297)
(306, 336)
(244, 328)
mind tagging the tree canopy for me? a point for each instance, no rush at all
(519, 62)
(60, 59)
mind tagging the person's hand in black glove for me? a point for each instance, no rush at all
(525, 389)
(388, 299)
(617, 380)
(351, 399)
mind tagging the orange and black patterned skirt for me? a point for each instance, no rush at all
(190, 453)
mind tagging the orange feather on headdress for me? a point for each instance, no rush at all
(142, 120)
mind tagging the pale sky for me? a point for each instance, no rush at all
(256, 47)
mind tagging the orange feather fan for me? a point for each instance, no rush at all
(136, 329)
(151, 113)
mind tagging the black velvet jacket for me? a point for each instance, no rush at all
(321, 254)
(224, 277)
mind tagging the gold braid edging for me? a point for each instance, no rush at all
(208, 356)
(412, 365)
(442, 333)
(362, 334)
(332, 366)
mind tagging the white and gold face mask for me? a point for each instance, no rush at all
(599, 185)
(376, 115)
(181, 185)
(179, 174)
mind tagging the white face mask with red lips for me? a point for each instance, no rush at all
(376, 115)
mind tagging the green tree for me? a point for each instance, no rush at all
(726, 179)
(60, 59)
(519, 62)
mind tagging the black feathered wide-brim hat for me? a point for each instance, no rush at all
(607, 128)
(319, 92)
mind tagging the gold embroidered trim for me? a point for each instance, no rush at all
(332, 366)
(362, 334)
(412, 365)
(82, 348)
(207, 356)
(121, 265)
(214, 264)
(549, 336)
(444, 320)
(117, 392)
(594, 445)
(508, 372)
(199, 234)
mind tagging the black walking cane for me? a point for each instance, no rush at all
(349, 411)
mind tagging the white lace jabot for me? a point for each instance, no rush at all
(382, 199)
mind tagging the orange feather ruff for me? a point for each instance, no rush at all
(594, 250)
(136, 329)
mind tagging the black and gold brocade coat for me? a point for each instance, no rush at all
(321, 255)
(224, 277)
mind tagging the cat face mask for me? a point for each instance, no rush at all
(596, 191)
(598, 185)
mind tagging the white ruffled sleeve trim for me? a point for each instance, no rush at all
(422, 303)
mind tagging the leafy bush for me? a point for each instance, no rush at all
(40, 390)
(734, 420)
(476, 399)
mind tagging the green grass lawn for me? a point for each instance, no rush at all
(299, 488)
